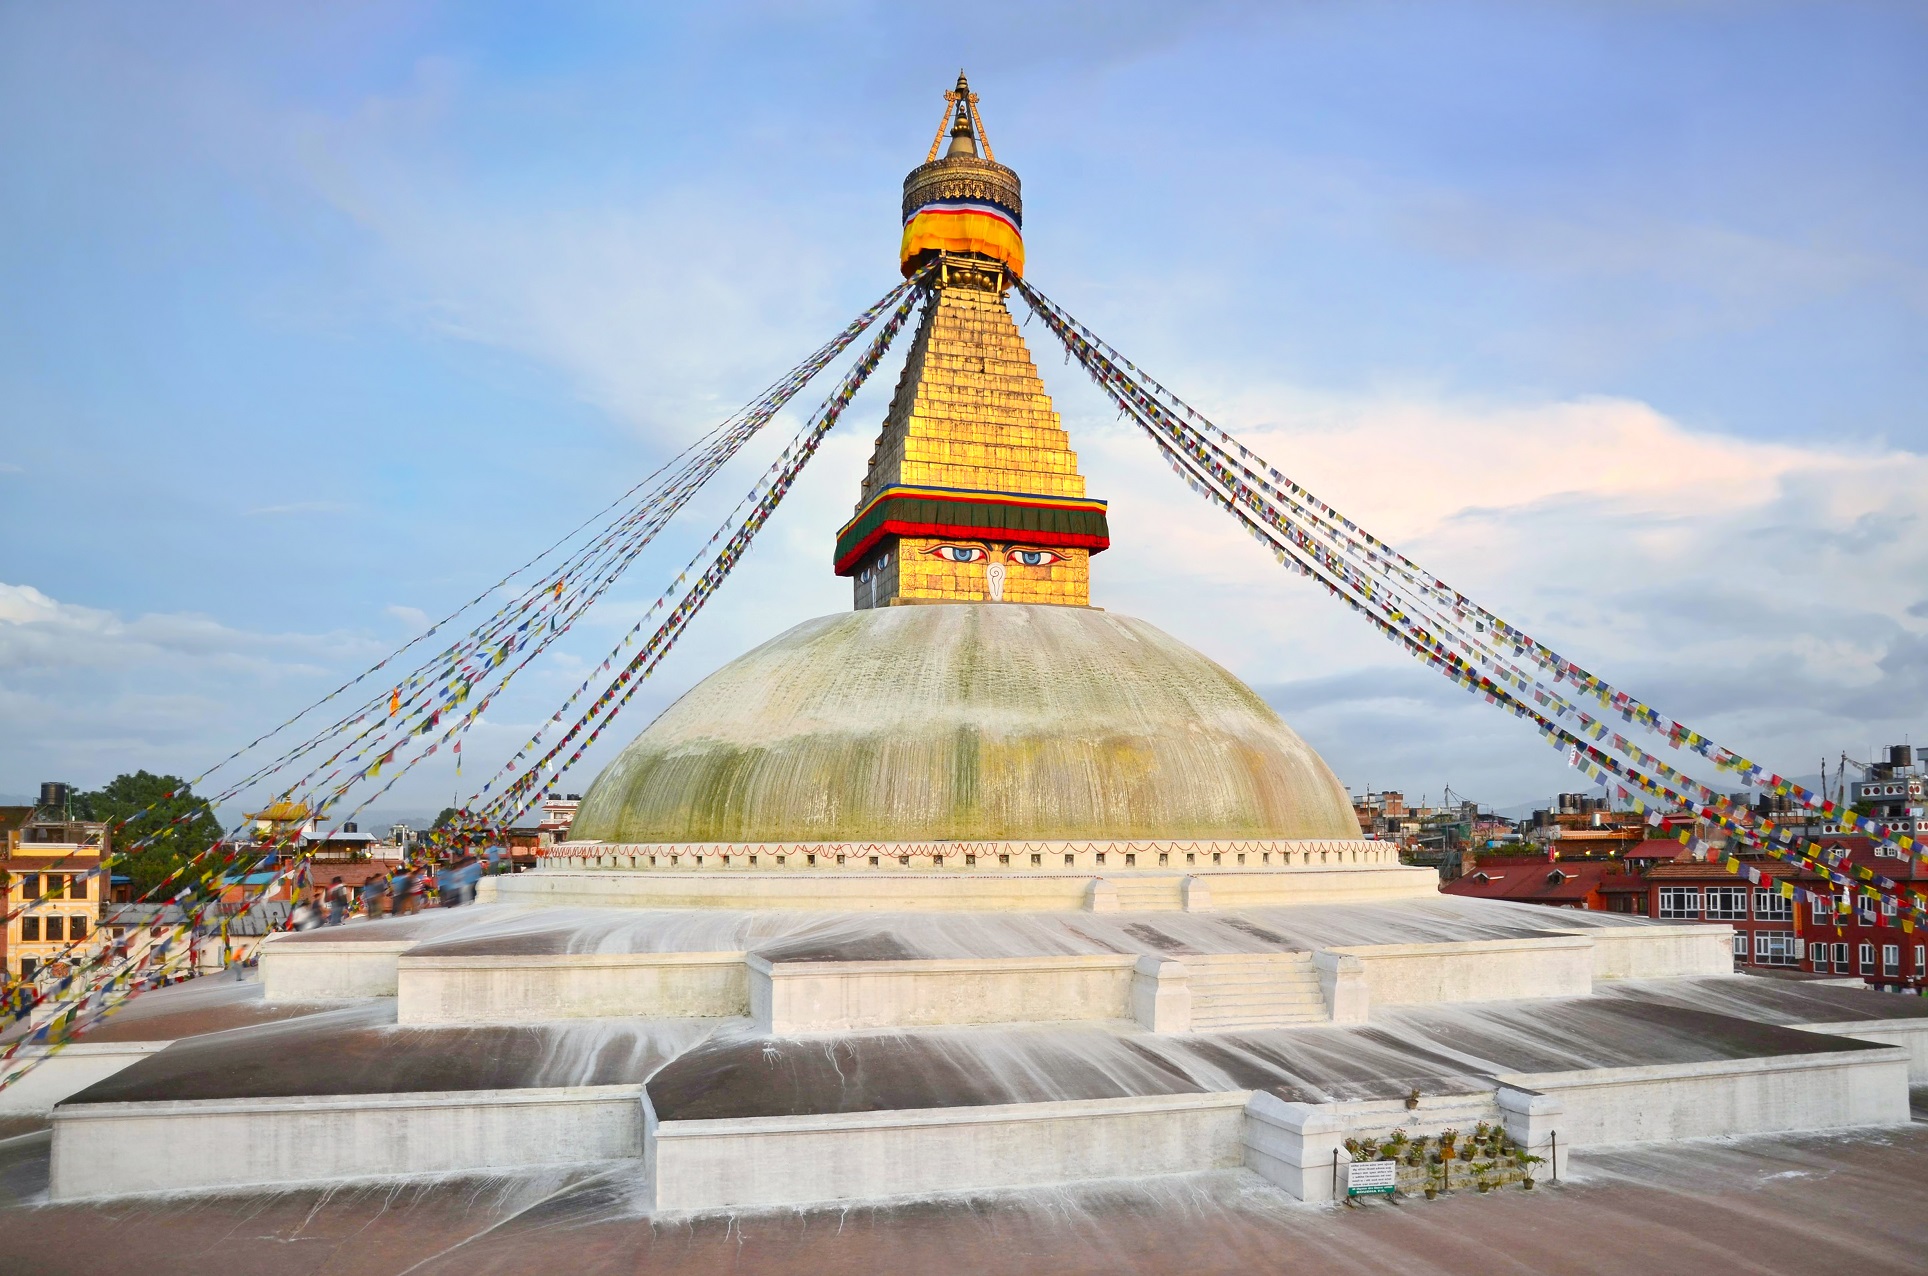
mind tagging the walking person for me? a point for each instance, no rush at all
(371, 896)
(398, 890)
(338, 901)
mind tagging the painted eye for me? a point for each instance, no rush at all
(1035, 557)
(959, 553)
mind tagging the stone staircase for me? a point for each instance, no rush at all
(1254, 990)
(1148, 894)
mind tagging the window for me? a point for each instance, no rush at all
(79, 890)
(76, 928)
(1841, 958)
(1772, 906)
(1891, 960)
(54, 927)
(1774, 948)
(1679, 902)
(1726, 903)
(1921, 959)
(30, 886)
(1867, 959)
(27, 967)
(1740, 945)
(56, 885)
(1887, 906)
(30, 930)
(1820, 954)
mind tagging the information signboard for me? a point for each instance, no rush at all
(1368, 1178)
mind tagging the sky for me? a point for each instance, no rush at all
(315, 318)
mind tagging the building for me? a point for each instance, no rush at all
(1583, 825)
(57, 872)
(1662, 880)
(1539, 879)
(1895, 792)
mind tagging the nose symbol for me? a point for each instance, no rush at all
(994, 577)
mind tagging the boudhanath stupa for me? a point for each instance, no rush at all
(973, 888)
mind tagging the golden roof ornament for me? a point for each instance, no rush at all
(962, 202)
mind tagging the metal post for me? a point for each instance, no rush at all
(1335, 1174)
(1555, 1134)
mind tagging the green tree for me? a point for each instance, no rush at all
(448, 816)
(174, 844)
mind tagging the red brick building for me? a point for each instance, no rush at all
(1540, 879)
(1659, 879)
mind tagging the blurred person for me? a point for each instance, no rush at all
(338, 901)
(399, 887)
(371, 895)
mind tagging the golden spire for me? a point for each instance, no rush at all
(963, 136)
(973, 492)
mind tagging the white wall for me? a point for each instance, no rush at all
(66, 1070)
(112, 1149)
(789, 997)
(299, 969)
(564, 986)
(1478, 970)
(797, 1160)
(1659, 952)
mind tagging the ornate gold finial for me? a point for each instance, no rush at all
(963, 136)
(951, 202)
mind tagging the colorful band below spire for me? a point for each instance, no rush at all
(1055, 522)
(963, 226)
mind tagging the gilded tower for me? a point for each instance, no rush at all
(973, 492)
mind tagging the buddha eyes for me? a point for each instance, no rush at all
(977, 554)
(960, 553)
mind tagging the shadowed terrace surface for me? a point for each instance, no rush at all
(967, 721)
(1762, 1205)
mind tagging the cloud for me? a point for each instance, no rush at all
(1766, 593)
(40, 632)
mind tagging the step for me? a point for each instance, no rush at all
(1258, 960)
(1261, 992)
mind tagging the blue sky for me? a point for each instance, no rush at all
(314, 317)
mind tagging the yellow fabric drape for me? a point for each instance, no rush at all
(962, 231)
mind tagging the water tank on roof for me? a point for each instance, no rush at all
(56, 795)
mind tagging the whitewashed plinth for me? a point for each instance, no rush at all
(1908, 1034)
(825, 996)
(1780, 1093)
(61, 1071)
(1659, 951)
(819, 1159)
(118, 1149)
(295, 968)
(604, 881)
(1474, 970)
(517, 989)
